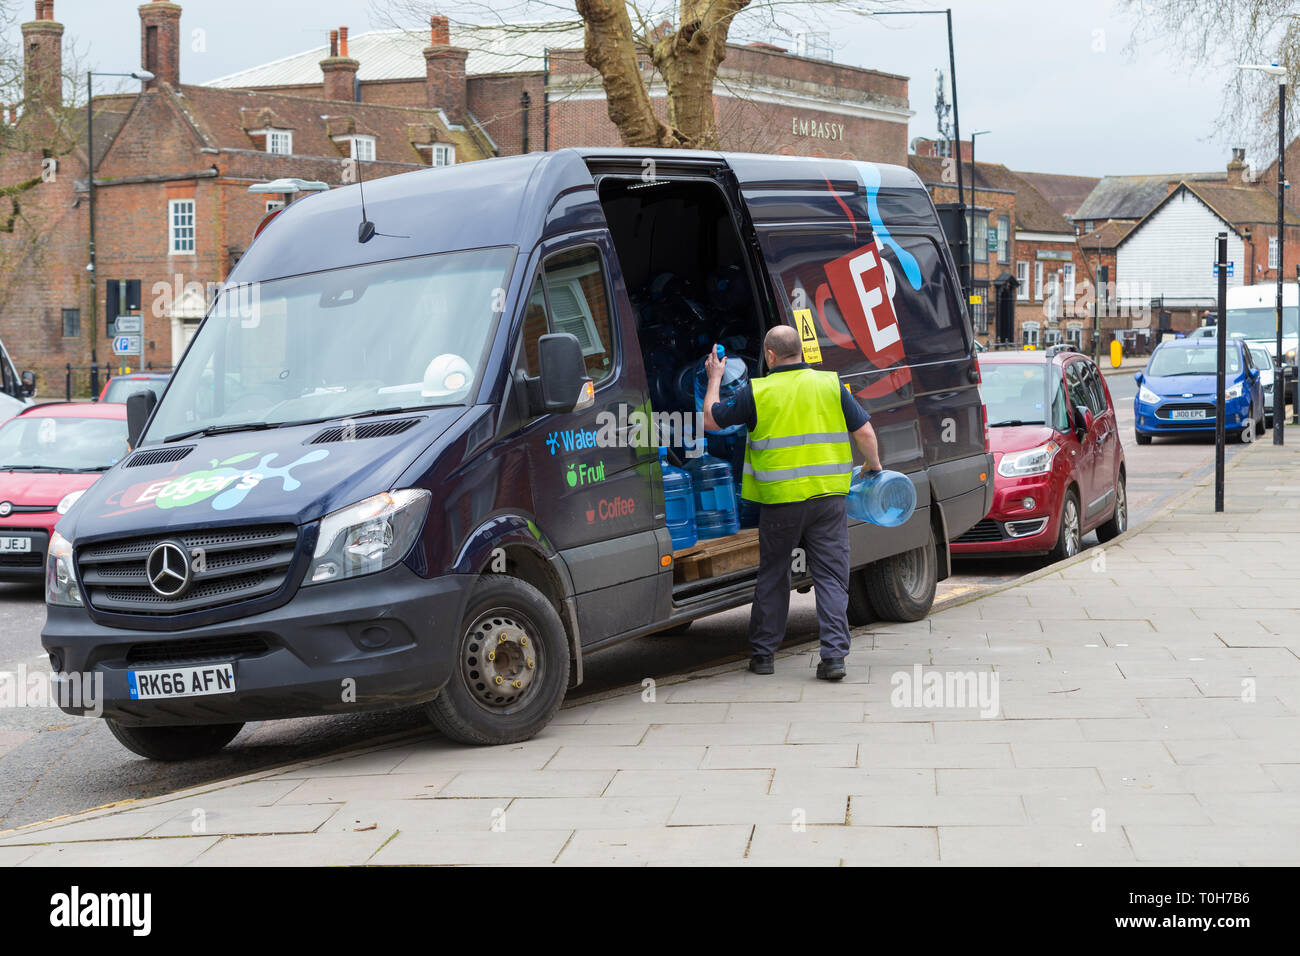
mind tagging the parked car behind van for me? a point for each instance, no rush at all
(413, 465)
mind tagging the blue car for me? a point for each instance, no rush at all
(1176, 393)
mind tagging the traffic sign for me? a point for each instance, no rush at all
(1215, 268)
(126, 345)
(128, 323)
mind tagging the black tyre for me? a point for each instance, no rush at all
(901, 587)
(1142, 439)
(1118, 522)
(174, 743)
(1070, 534)
(511, 669)
(861, 613)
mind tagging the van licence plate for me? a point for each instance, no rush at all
(15, 545)
(182, 682)
(1186, 413)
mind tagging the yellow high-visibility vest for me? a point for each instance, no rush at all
(800, 448)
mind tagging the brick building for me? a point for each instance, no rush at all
(173, 164)
(527, 87)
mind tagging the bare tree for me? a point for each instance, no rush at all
(1220, 34)
(635, 44)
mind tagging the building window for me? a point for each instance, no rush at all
(1272, 253)
(1074, 334)
(1004, 239)
(279, 141)
(979, 311)
(71, 323)
(363, 148)
(1038, 281)
(1029, 333)
(444, 155)
(1022, 280)
(180, 227)
(273, 204)
(980, 243)
(1068, 269)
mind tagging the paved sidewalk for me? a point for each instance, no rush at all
(1147, 702)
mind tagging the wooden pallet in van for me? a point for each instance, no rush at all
(716, 556)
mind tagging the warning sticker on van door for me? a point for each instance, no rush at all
(812, 350)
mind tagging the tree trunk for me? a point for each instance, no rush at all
(611, 50)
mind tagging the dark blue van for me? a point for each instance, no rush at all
(403, 460)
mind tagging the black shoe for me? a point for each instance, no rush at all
(831, 668)
(762, 664)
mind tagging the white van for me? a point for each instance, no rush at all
(1252, 314)
(15, 389)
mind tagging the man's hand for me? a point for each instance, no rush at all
(866, 440)
(714, 366)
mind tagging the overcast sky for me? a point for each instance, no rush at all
(1050, 79)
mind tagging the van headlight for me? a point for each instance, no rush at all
(60, 581)
(1146, 395)
(369, 536)
(68, 500)
(1234, 391)
(1036, 461)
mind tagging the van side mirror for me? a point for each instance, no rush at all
(139, 406)
(1082, 421)
(562, 384)
(29, 384)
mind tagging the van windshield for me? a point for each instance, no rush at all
(395, 335)
(1261, 323)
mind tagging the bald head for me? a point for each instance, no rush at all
(783, 342)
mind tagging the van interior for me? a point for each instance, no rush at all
(684, 268)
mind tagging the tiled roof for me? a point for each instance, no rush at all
(1033, 211)
(1132, 197)
(224, 117)
(399, 54)
(1064, 192)
(1242, 205)
(1108, 235)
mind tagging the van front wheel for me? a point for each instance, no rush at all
(901, 587)
(511, 669)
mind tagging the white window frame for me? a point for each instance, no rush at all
(178, 244)
(1272, 252)
(274, 136)
(1022, 280)
(273, 204)
(1030, 333)
(1068, 270)
(1074, 333)
(1038, 281)
(442, 154)
(360, 144)
(572, 277)
(1004, 238)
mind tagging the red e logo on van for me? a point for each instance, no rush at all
(858, 284)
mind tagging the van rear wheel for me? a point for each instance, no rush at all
(174, 743)
(901, 587)
(512, 666)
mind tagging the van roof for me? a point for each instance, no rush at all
(511, 200)
(1263, 294)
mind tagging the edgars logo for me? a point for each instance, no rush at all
(615, 507)
(572, 439)
(582, 474)
(229, 484)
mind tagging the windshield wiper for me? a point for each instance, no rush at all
(219, 430)
(1015, 421)
(28, 468)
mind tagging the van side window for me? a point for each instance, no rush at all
(574, 301)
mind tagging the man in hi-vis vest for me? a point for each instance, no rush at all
(797, 467)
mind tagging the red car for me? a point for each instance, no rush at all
(49, 455)
(120, 387)
(1059, 466)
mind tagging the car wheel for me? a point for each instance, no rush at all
(901, 587)
(1069, 536)
(511, 669)
(1142, 439)
(861, 613)
(174, 743)
(1118, 522)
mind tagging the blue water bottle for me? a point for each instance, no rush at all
(884, 498)
(679, 503)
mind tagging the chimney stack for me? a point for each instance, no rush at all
(42, 62)
(1237, 171)
(160, 42)
(444, 68)
(338, 69)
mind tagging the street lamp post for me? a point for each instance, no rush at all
(146, 76)
(963, 266)
(1279, 369)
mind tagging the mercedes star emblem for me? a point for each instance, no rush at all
(168, 568)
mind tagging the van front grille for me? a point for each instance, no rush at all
(196, 649)
(228, 565)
